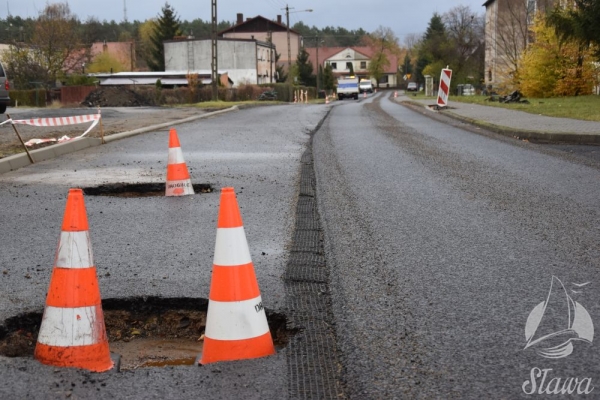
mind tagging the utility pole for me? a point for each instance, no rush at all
(287, 21)
(318, 67)
(214, 72)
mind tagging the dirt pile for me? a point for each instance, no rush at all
(115, 96)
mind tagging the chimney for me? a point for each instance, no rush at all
(240, 18)
(279, 19)
(248, 19)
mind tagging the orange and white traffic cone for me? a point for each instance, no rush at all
(364, 95)
(236, 323)
(326, 99)
(178, 177)
(395, 94)
(72, 333)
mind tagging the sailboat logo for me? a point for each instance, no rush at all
(555, 324)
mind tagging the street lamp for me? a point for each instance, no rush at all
(287, 19)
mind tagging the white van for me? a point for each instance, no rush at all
(365, 85)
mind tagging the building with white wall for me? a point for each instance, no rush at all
(247, 61)
(266, 30)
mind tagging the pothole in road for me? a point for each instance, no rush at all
(145, 332)
(139, 189)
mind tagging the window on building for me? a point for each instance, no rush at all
(333, 65)
(531, 10)
(348, 65)
(383, 79)
(363, 65)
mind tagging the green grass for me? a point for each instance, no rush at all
(580, 107)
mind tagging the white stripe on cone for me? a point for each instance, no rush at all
(175, 155)
(65, 327)
(231, 247)
(74, 250)
(236, 320)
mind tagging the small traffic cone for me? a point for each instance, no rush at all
(364, 95)
(326, 99)
(236, 323)
(178, 177)
(395, 94)
(72, 333)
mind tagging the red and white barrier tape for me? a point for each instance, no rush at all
(58, 121)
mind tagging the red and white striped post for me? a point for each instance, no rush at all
(442, 100)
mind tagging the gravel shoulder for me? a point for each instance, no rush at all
(114, 120)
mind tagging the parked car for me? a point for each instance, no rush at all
(412, 87)
(4, 88)
(365, 85)
(468, 90)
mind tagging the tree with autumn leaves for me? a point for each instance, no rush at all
(53, 49)
(555, 65)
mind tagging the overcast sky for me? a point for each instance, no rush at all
(403, 16)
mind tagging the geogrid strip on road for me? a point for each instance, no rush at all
(312, 353)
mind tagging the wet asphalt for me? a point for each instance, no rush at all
(157, 246)
(440, 242)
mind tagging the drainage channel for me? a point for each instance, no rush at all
(313, 366)
(144, 332)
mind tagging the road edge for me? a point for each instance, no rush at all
(21, 160)
(519, 134)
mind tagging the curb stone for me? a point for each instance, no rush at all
(520, 134)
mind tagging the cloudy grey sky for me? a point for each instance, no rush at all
(402, 16)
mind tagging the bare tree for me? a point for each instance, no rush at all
(465, 31)
(55, 42)
(385, 43)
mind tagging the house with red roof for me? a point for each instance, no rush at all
(266, 30)
(340, 59)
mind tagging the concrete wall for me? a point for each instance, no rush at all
(238, 58)
(279, 39)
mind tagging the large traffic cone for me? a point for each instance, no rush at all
(72, 333)
(236, 323)
(178, 177)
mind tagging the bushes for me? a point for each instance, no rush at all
(30, 98)
(158, 96)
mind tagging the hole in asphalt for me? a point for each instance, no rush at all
(145, 332)
(139, 189)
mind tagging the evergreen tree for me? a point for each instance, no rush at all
(279, 69)
(305, 68)
(579, 21)
(166, 28)
(328, 78)
(434, 46)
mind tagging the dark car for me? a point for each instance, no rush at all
(412, 87)
(4, 88)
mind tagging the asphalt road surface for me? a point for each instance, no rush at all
(157, 246)
(439, 242)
